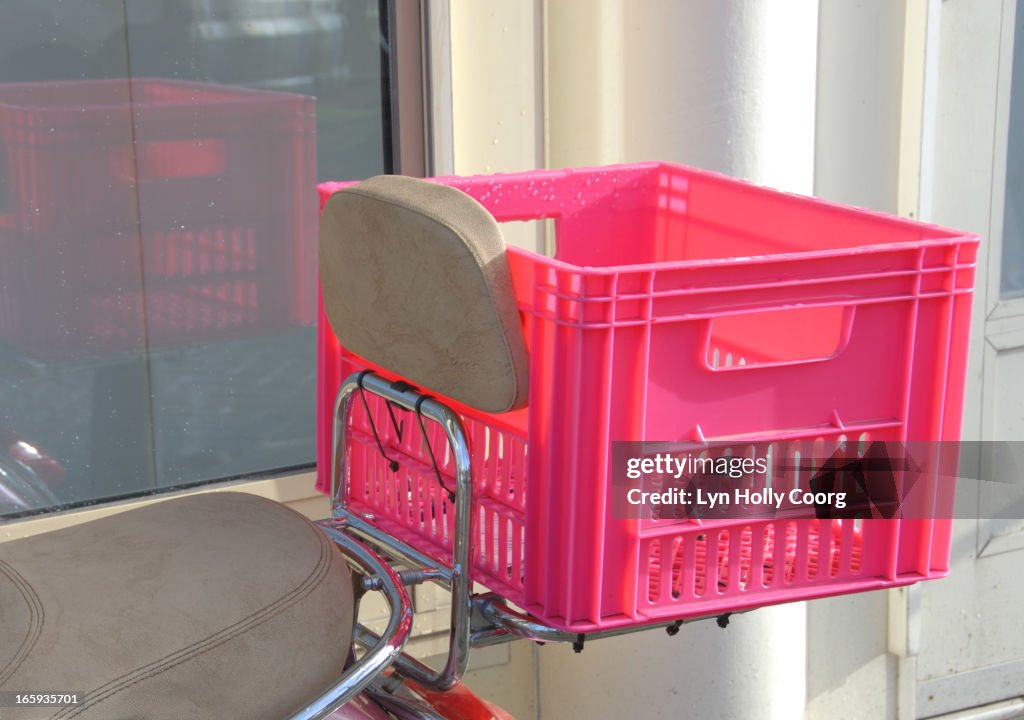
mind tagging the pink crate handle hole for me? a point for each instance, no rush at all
(789, 336)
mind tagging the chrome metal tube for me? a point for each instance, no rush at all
(407, 665)
(416, 576)
(342, 407)
(410, 398)
(390, 546)
(389, 644)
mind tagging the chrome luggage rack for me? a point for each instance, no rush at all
(477, 620)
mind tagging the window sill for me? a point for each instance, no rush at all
(297, 491)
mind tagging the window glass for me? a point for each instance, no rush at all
(158, 162)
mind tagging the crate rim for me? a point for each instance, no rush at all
(942, 236)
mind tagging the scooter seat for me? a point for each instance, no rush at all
(219, 605)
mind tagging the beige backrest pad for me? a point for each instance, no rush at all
(415, 279)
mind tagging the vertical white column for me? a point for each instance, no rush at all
(860, 100)
(496, 109)
(497, 113)
(728, 87)
(723, 86)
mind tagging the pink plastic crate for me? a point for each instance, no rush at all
(196, 193)
(685, 306)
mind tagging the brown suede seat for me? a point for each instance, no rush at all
(221, 605)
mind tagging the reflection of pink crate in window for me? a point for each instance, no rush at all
(152, 212)
(683, 305)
